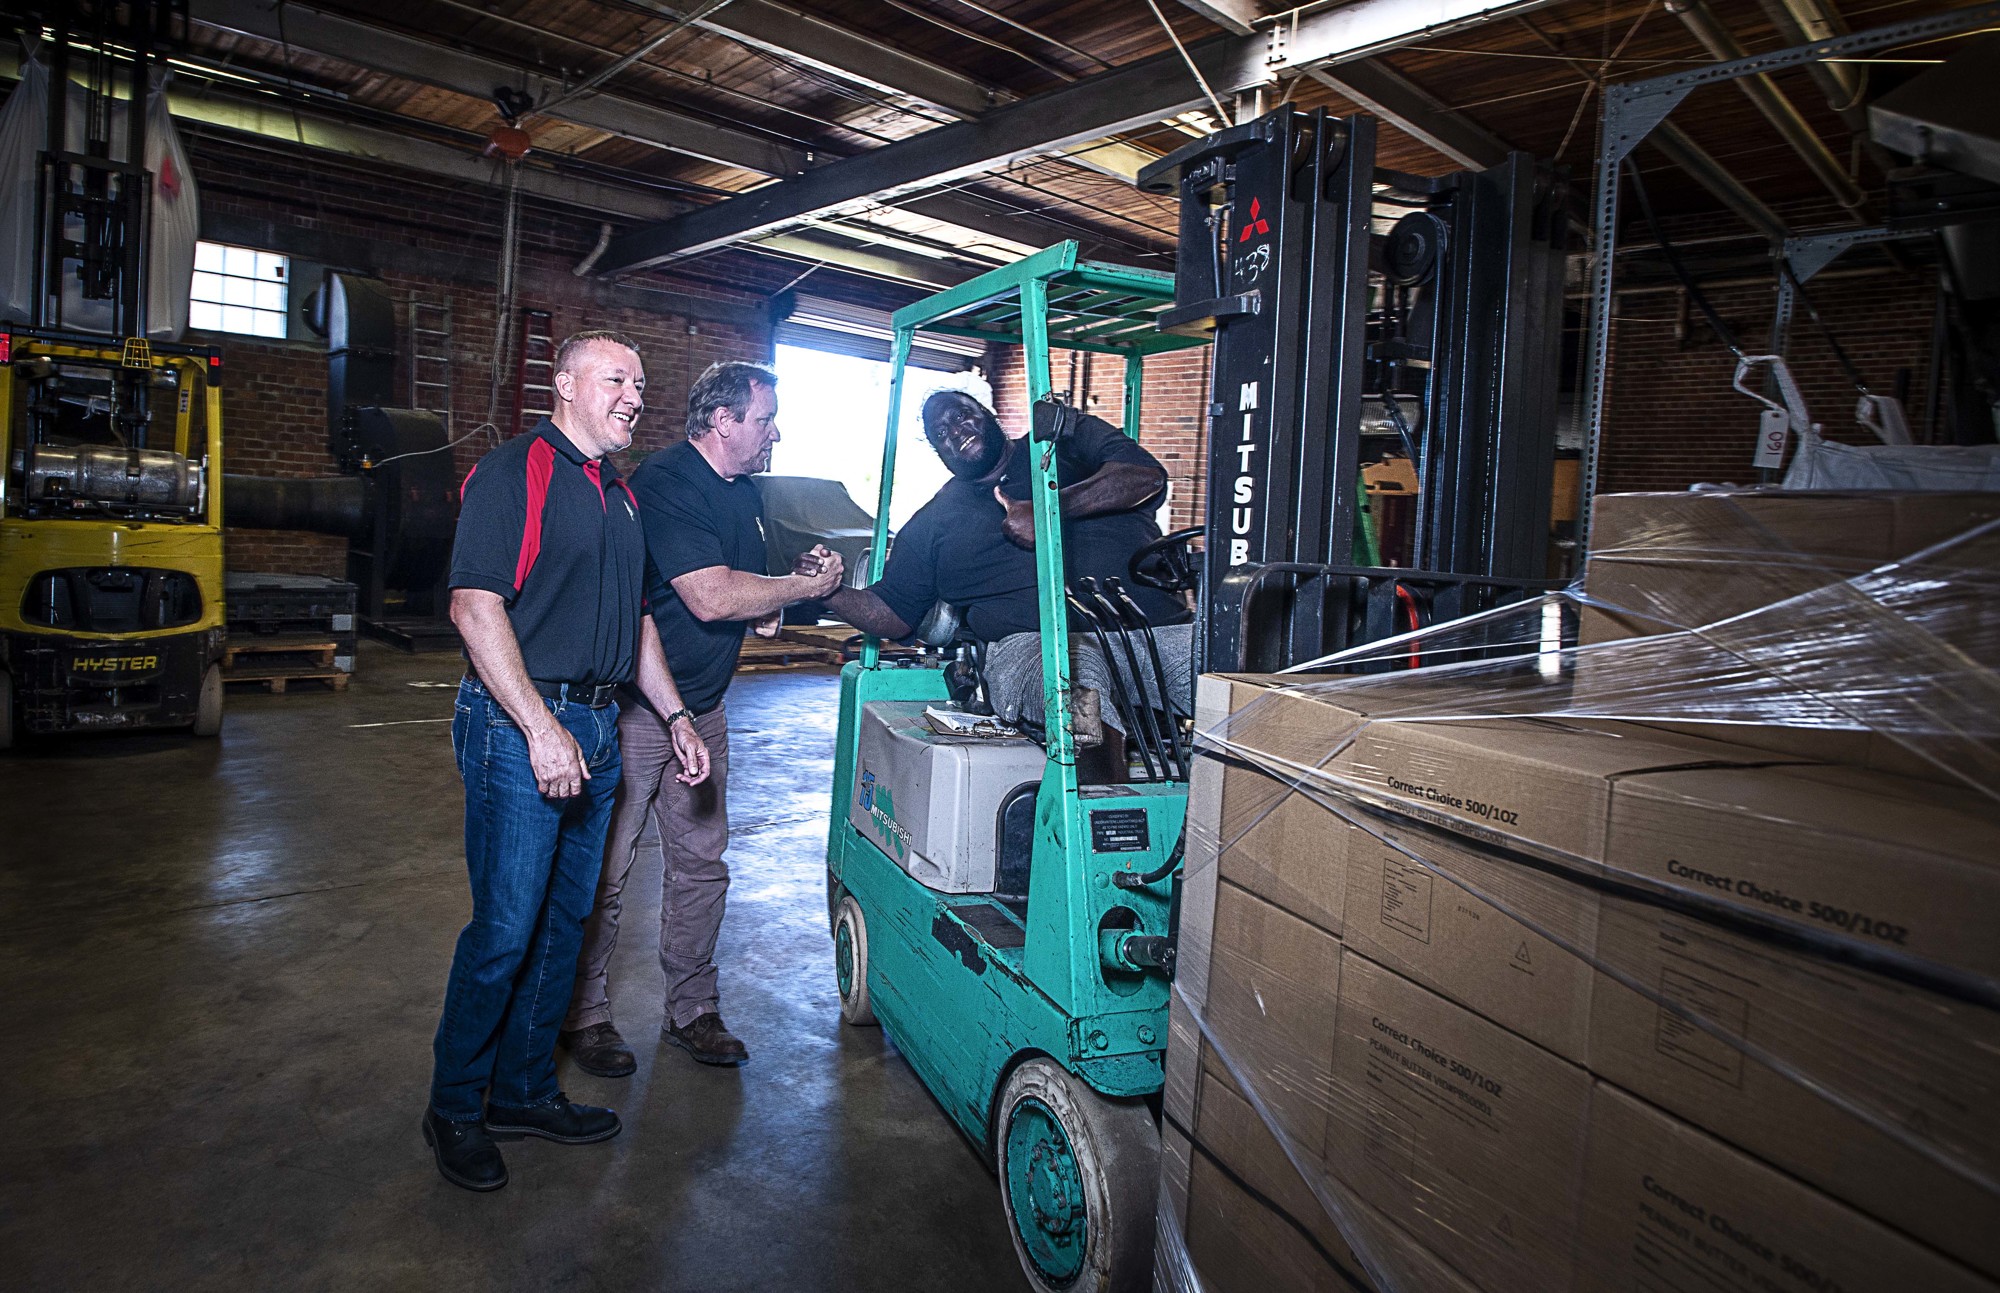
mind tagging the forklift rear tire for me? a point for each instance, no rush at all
(850, 963)
(208, 710)
(1079, 1173)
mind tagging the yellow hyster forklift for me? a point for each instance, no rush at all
(111, 608)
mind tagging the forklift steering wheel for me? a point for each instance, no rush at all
(1168, 563)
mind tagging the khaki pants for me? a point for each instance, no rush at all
(693, 826)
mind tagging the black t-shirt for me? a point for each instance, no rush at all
(695, 519)
(953, 549)
(557, 536)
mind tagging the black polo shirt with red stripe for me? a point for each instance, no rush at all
(557, 536)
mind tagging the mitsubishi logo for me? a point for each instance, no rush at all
(1257, 223)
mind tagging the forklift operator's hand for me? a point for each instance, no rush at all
(1019, 523)
(823, 570)
(557, 760)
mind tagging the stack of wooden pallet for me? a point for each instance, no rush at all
(275, 662)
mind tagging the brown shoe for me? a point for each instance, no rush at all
(599, 1050)
(708, 1039)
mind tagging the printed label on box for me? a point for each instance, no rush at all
(1691, 1044)
(1406, 899)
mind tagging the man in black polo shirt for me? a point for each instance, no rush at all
(705, 563)
(972, 545)
(546, 583)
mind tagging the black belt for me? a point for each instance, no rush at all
(596, 695)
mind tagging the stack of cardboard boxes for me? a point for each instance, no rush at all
(1539, 1003)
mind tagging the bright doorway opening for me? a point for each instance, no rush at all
(832, 410)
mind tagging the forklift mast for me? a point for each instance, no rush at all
(1447, 323)
(95, 200)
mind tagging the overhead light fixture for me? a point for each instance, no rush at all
(1197, 122)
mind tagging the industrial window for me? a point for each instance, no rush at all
(239, 289)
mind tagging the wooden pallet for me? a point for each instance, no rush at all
(835, 638)
(761, 654)
(320, 652)
(275, 680)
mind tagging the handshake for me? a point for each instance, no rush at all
(820, 570)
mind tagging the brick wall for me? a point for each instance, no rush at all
(1672, 420)
(274, 395)
(1171, 424)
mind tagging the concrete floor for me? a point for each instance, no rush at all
(221, 963)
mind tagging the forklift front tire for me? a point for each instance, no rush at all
(1078, 1175)
(208, 710)
(850, 963)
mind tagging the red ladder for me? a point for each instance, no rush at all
(535, 374)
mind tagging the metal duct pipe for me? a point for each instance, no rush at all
(1771, 101)
(336, 505)
(1800, 22)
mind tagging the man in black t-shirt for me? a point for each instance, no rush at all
(705, 563)
(972, 546)
(545, 589)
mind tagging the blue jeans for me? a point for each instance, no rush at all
(533, 862)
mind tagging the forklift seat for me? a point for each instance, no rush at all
(940, 625)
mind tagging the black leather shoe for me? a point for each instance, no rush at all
(599, 1050)
(553, 1119)
(466, 1155)
(708, 1039)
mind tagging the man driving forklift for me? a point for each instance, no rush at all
(972, 547)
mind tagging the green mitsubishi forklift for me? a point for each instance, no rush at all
(1011, 922)
(1004, 920)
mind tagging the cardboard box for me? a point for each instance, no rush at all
(1490, 932)
(1530, 784)
(1473, 928)
(1229, 1132)
(1284, 845)
(1698, 558)
(1509, 941)
(1906, 867)
(1238, 1244)
(1685, 560)
(1468, 1136)
(1843, 1078)
(1253, 1221)
(1273, 990)
(1668, 1209)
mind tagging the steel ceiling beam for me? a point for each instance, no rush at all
(1107, 103)
(1289, 46)
(1238, 16)
(1092, 108)
(270, 124)
(380, 50)
(1410, 108)
(269, 121)
(877, 262)
(974, 212)
(804, 38)
(477, 76)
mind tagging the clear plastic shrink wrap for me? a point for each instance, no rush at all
(1667, 962)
